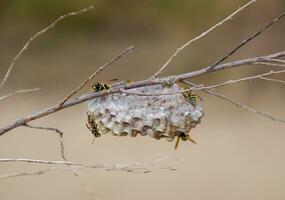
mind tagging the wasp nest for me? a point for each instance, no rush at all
(158, 116)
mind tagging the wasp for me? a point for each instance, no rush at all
(97, 87)
(183, 137)
(92, 126)
(189, 95)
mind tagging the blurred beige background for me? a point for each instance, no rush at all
(239, 155)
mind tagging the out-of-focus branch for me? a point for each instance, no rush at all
(164, 80)
(39, 172)
(19, 92)
(176, 53)
(25, 47)
(278, 61)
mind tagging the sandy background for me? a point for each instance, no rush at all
(239, 155)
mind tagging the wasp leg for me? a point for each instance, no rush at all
(88, 126)
(188, 137)
(177, 143)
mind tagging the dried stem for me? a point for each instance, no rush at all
(128, 167)
(247, 41)
(278, 61)
(236, 103)
(49, 162)
(273, 80)
(199, 37)
(51, 26)
(12, 175)
(100, 69)
(229, 82)
(19, 92)
(60, 134)
(270, 64)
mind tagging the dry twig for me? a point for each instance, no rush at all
(100, 69)
(270, 64)
(51, 26)
(128, 167)
(272, 80)
(229, 82)
(19, 92)
(199, 37)
(278, 61)
(247, 41)
(236, 103)
(60, 134)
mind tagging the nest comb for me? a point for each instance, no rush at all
(157, 116)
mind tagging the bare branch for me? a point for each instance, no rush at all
(199, 37)
(60, 134)
(125, 169)
(137, 167)
(19, 92)
(236, 103)
(12, 175)
(168, 79)
(202, 87)
(49, 162)
(278, 61)
(100, 69)
(273, 80)
(229, 82)
(270, 64)
(247, 41)
(51, 26)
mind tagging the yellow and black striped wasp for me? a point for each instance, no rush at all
(192, 98)
(189, 95)
(91, 124)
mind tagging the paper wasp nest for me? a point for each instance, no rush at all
(160, 116)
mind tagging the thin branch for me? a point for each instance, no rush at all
(19, 92)
(12, 175)
(199, 37)
(278, 60)
(247, 41)
(272, 80)
(51, 26)
(100, 69)
(52, 169)
(49, 162)
(270, 64)
(127, 167)
(229, 82)
(143, 83)
(60, 134)
(236, 103)
(202, 87)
